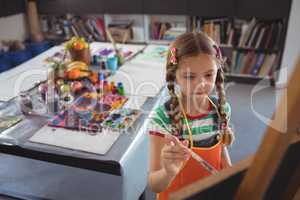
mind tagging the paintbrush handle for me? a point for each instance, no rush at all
(111, 39)
(197, 157)
(202, 162)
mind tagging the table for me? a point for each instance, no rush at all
(124, 168)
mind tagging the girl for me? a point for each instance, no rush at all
(198, 120)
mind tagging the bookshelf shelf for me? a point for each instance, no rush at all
(246, 78)
(226, 46)
(253, 47)
(256, 50)
(245, 49)
(159, 42)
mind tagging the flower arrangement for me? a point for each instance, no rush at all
(76, 43)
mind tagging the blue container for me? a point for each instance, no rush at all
(38, 47)
(5, 63)
(18, 57)
(112, 64)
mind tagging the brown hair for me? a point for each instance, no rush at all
(192, 44)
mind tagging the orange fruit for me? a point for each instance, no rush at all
(78, 45)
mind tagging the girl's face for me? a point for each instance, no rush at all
(196, 75)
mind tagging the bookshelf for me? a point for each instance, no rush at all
(252, 46)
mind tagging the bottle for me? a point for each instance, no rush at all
(106, 87)
(112, 85)
(121, 89)
(114, 90)
(100, 82)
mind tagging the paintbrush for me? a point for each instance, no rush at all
(195, 156)
(119, 55)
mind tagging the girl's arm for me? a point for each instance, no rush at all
(225, 158)
(166, 161)
(158, 179)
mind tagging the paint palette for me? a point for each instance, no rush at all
(121, 119)
(88, 112)
(81, 121)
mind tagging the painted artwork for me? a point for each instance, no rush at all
(122, 119)
(88, 112)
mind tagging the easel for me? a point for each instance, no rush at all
(273, 172)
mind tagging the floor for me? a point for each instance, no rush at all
(46, 179)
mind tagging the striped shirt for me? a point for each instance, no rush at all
(203, 127)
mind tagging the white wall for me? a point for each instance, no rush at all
(13, 27)
(292, 45)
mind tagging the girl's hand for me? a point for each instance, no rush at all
(173, 155)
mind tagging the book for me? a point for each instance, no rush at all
(269, 36)
(233, 60)
(248, 62)
(278, 36)
(253, 35)
(238, 62)
(256, 35)
(261, 34)
(267, 65)
(251, 64)
(230, 37)
(244, 29)
(258, 64)
(101, 27)
(217, 33)
(244, 59)
(246, 32)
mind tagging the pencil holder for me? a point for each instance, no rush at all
(82, 55)
(112, 64)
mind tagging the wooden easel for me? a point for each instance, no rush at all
(273, 172)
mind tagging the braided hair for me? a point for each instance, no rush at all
(192, 44)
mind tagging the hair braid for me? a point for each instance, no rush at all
(172, 106)
(227, 136)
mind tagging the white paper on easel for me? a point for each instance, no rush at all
(99, 143)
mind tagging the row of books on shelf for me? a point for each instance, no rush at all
(252, 63)
(91, 28)
(256, 34)
(237, 33)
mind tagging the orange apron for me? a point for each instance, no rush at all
(192, 170)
